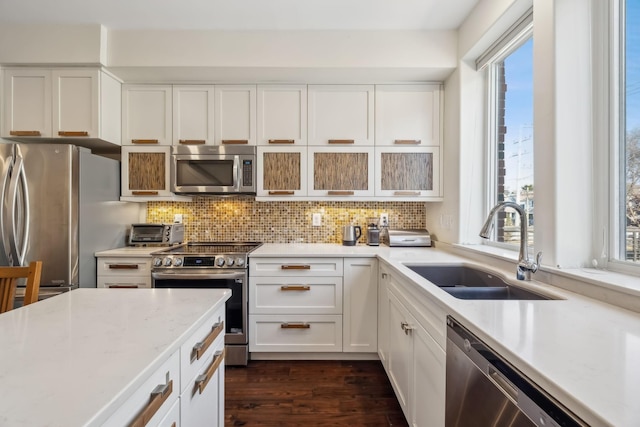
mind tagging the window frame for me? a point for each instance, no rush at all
(511, 41)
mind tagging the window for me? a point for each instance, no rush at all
(629, 117)
(510, 139)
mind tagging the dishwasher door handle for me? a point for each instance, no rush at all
(503, 384)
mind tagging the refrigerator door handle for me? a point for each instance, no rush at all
(18, 250)
(4, 246)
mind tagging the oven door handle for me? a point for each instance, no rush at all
(196, 276)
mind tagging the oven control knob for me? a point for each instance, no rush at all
(240, 262)
(229, 262)
(177, 262)
(157, 262)
(219, 262)
(167, 262)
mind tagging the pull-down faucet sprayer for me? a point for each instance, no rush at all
(525, 265)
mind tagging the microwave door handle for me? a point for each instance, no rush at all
(238, 171)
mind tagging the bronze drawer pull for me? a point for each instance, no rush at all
(340, 193)
(235, 141)
(406, 193)
(123, 266)
(281, 193)
(73, 133)
(282, 141)
(122, 286)
(158, 396)
(341, 141)
(192, 141)
(408, 141)
(295, 267)
(295, 326)
(144, 193)
(200, 348)
(295, 288)
(202, 380)
(25, 133)
(144, 141)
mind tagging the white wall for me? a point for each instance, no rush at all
(459, 217)
(262, 56)
(30, 44)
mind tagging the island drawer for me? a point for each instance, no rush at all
(201, 345)
(295, 267)
(153, 400)
(295, 333)
(295, 295)
(202, 400)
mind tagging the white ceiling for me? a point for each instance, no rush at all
(243, 14)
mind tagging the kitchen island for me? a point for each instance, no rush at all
(87, 357)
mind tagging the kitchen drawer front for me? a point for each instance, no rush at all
(295, 333)
(124, 282)
(166, 375)
(172, 419)
(295, 295)
(295, 267)
(124, 266)
(202, 401)
(208, 339)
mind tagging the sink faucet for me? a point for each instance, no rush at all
(525, 265)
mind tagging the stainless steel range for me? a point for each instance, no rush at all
(212, 265)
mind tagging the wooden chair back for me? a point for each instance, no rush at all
(8, 279)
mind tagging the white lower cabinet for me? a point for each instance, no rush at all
(124, 272)
(202, 373)
(187, 389)
(172, 419)
(295, 333)
(415, 361)
(321, 304)
(149, 404)
(360, 305)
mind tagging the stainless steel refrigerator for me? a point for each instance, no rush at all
(60, 204)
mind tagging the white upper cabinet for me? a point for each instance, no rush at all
(146, 114)
(341, 114)
(193, 114)
(61, 103)
(282, 114)
(27, 103)
(235, 114)
(408, 115)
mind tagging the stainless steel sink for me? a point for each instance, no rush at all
(466, 282)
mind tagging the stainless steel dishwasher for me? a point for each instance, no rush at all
(483, 389)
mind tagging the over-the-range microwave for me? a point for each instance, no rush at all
(213, 169)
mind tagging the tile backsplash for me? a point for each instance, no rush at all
(244, 219)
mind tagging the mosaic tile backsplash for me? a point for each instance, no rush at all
(244, 219)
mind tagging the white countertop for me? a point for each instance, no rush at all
(583, 352)
(72, 359)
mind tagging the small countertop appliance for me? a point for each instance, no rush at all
(408, 237)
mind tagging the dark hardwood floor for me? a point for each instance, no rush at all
(310, 393)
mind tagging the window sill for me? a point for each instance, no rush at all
(615, 288)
